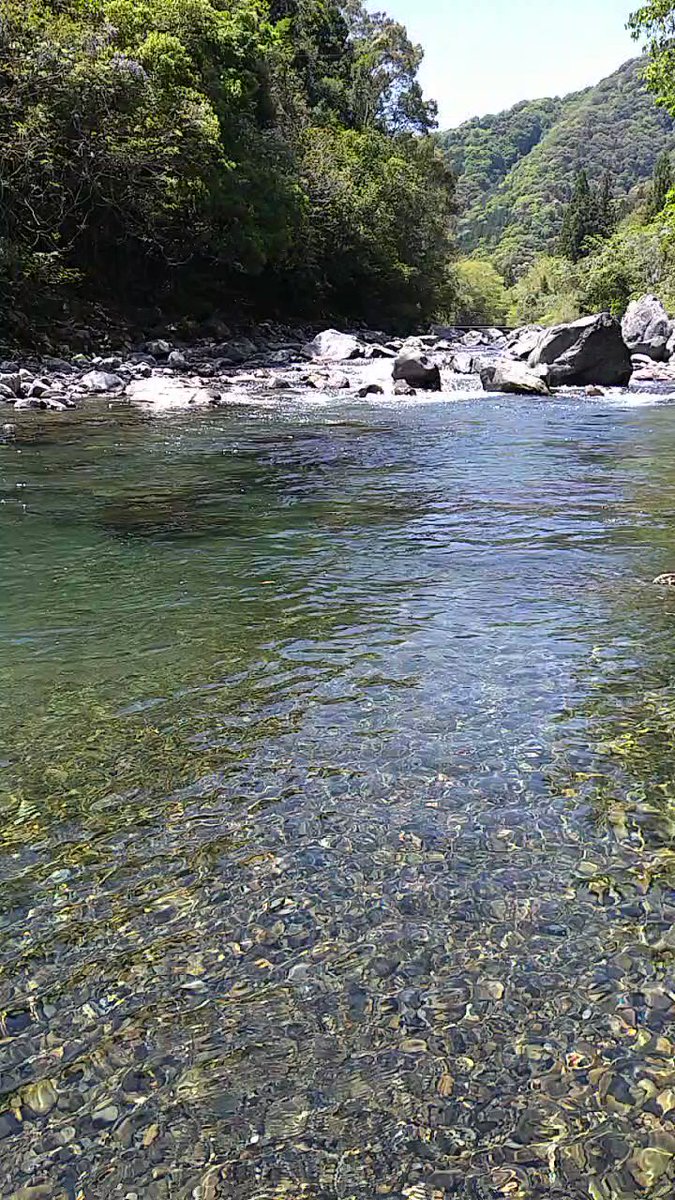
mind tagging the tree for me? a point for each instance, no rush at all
(580, 220)
(662, 184)
(606, 208)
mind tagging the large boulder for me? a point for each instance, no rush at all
(101, 381)
(334, 346)
(418, 371)
(647, 328)
(505, 375)
(521, 342)
(591, 350)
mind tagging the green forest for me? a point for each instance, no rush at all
(250, 156)
(277, 158)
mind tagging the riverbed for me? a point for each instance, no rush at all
(338, 801)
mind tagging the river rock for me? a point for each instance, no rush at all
(590, 350)
(42, 402)
(162, 393)
(177, 360)
(504, 375)
(58, 365)
(647, 328)
(370, 389)
(159, 348)
(401, 388)
(101, 381)
(13, 383)
(418, 371)
(334, 346)
(463, 363)
(38, 388)
(521, 342)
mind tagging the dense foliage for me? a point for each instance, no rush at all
(517, 171)
(200, 153)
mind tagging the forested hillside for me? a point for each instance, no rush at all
(517, 169)
(250, 156)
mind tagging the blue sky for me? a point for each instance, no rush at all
(485, 55)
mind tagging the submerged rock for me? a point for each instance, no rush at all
(418, 371)
(590, 350)
(513, 377)
(162, 393)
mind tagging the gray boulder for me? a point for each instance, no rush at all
(463, 363)
(101, 381)
(334, 346)
(418, 371)
(159, 348)
(401, 388)
(177, 360)
(505, 375)
(523, 341)
(590, 350)
(647, 328)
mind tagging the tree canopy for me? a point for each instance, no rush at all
(195, 153)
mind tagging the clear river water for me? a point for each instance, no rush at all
(337, 802)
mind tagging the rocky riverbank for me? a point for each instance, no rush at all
(162, 375)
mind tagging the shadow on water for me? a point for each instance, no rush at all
(328, 869)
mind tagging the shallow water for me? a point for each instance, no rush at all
(338, 802)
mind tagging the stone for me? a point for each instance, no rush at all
(401, 388)
(39, 387)
(338, 382)
(40, 1097)
(6, 393)
(333, 346)
(647, 328)
(591, 350)
(13, 383)
(106, 1115)
(41, 402)
(8, 429)
(370, 389)
(163, 393)
(463, 363)
(101, 381)
(666, 580)
(378, 351)
(177, 360)
(508, 376)
(279, 383)
(522, 342)
(594, 391)
(474, 337)
(159, 348)
(418, 371)
(58, 365)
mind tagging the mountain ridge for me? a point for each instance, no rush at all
(515, 169)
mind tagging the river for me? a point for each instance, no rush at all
(338, 802)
